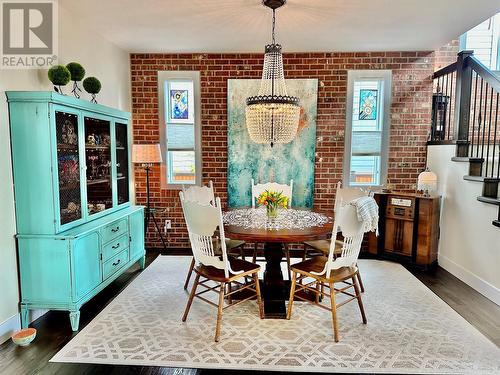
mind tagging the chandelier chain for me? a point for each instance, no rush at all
(272, 116)
(274, 26)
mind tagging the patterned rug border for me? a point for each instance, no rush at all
(58, 357)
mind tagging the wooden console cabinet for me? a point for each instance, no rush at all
(408, 229)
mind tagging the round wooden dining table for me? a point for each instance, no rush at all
(295, 226)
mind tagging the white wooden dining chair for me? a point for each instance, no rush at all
(287, 190)
(344, 195)
(258, 189)
(200, 194)
(205, 195)
(211, 265)
(328, 270)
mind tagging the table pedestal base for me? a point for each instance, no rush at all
(275, 290)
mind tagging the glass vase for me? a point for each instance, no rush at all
(272, 211)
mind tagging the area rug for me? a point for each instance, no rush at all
(409, 330)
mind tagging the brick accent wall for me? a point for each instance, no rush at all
(446, 55)
(410, 114)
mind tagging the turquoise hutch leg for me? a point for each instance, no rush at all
(142, 262)
(24, 316)
(74, 318)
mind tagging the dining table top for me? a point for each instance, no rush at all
(292, 225)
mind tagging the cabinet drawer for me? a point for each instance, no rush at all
(115, 246)
(114, 230)
(114, 264)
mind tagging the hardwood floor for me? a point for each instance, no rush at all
(473, 306)
(54, 330)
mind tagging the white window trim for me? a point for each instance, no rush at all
(172, 76)
(357, 75)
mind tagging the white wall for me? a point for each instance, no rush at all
(101, 59)
(469, 246)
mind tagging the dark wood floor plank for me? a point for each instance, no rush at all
(54, 330)
(471, 305)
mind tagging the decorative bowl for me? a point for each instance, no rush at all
(24, 337)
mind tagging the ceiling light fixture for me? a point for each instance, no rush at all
(272, 116)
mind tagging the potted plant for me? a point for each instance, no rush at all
(272, 200)
(77, 72)
(59, 75)
(92, 85)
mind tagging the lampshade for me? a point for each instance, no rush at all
(146, 154)
(427, 181)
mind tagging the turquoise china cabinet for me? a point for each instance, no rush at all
(76, 228)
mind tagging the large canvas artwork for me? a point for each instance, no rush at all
(247, 160)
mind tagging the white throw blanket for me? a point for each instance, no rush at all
(367, 210)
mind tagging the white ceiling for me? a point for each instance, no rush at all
(302, 25)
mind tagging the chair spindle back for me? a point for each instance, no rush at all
(202, 221)
(346, 220)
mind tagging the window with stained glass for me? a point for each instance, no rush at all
(367, 126)
(179, 101)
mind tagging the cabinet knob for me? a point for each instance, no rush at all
(116, 246)
(117, 262)
(114, 230)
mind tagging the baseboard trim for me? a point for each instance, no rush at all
(8, 327)
(485, 288)
(13, 324)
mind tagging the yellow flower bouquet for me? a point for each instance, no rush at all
(272, 200)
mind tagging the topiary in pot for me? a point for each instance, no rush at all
(59, 75)
(92, 85)
(77, 73)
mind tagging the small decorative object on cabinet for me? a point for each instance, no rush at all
(77, 230)
(408, 227)
(427, 182)
(92, 85)
(59, 75)
(77, 73)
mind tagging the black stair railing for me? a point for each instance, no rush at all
(465, 110)
(443, 103)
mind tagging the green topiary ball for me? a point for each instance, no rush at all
(59, 75)
(77, 71)
(92, 85)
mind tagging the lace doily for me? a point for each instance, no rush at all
(287, 219)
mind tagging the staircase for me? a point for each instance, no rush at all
(465, 112)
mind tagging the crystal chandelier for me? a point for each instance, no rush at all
(272, 116)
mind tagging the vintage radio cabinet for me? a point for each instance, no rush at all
(408, 229)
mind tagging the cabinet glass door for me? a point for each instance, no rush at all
(98, 162)
(68, 167)
(122, 175)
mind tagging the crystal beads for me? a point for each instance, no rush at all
(272, 116)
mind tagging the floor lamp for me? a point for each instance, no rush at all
(146, 155)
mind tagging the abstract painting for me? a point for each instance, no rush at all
(368, 104)
(282, 162)
(179, 104)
